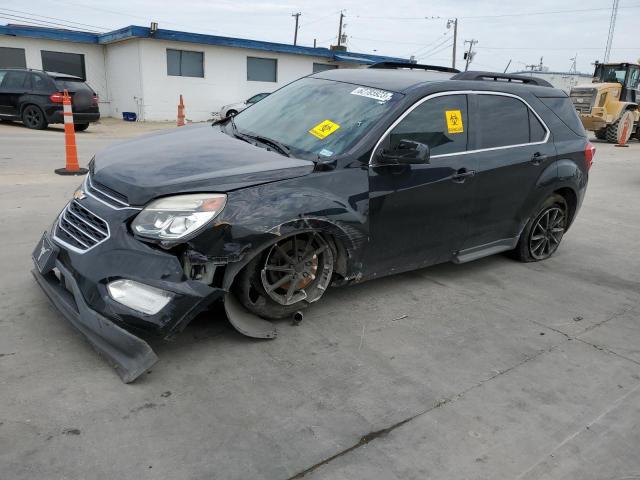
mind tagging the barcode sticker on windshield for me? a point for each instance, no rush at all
(381, 95)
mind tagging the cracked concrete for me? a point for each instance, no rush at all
(493, 369)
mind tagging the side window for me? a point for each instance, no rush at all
(634, 77)
(441, 122)
(38, 83)
(536, 130)
(14, 80)
(504, 121)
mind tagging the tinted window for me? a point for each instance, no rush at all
(61, 62)
(185, 63)
(503, 121)
(262, 69)
(536, 130)
(565, 111)
(39, 83)
(321, 67)
(441, 122)
(12, 58)
(14, 80)
(257, 98)
(72, 85)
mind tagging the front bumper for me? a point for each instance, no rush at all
(130, 355)
(80, 290)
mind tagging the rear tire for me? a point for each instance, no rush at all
(601, 134)
(615, 130)
(287, 276)
(80, 127)
(33, 117)
(543, 233)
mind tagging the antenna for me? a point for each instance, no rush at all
(612, 27)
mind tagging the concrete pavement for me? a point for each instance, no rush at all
(493, 369)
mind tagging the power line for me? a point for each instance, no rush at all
(437, 44)
(39, 22)
(53, 18)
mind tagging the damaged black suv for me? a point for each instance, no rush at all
(339, 177)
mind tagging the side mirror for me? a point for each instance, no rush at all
(406, 152)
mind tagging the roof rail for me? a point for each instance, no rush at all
(502, 77)
(413, 66)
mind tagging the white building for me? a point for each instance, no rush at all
(136, 70)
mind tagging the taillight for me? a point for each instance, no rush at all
(95, 100)
(56, 97)
(589, 153)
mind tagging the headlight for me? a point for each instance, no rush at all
(174, 218)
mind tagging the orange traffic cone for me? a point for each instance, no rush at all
(181, 112)
(72, 167)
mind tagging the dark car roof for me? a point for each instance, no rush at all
(404, 80)
(51, 74)
(392, 80)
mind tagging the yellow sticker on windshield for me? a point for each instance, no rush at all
(454, 121)
(324, 129)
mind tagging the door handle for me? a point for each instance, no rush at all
(461, 175)
(537, 158)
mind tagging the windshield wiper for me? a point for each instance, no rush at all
(280, 147)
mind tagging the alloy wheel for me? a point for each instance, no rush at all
(547, 233)
(297, 268)
(32, 117)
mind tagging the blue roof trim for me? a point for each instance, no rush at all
(134, 31)
(49, 33)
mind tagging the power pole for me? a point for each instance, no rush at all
(454, 22)
(295, 35)
(508, 65)
(468, 55)
(612, 27)
(340, 29)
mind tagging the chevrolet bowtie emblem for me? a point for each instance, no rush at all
(79, 195)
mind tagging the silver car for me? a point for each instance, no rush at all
(235, 108)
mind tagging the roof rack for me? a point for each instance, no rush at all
(502, 77)
(413, 66)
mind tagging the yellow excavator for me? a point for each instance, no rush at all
(609, 105)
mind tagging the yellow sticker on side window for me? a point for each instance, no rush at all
(454, 121)
(324, 129)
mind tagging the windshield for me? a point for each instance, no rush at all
(611, 73)
(314, 117)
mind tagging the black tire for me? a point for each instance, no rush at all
(543, 233)
(232, 113)
(33, 117)
(80, 127)
(311, 268)
(601, 134)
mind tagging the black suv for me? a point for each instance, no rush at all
(339, 177)
(35, 98)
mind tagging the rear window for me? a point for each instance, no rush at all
(565, 111)
(72, 85)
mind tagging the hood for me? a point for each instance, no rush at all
(189, 159)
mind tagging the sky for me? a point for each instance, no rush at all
(518, 31)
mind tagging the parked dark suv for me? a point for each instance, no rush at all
(339, 177)
(35, 98)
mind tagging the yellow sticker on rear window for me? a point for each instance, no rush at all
(454, 121)
(324, 129)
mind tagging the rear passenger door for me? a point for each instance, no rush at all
(14, 84)
(512, 147)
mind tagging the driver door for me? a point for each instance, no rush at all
(418, 212)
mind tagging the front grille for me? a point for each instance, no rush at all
(80, 228)
(106, 194)
(583, 99)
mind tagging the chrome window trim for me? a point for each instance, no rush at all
(68, 246)
(87, 184)
(465, 92)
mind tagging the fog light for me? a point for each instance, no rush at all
(138, 296)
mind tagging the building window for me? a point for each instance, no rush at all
(262, 69)
(61, 62)
(185, 63)
(321, 67)
(12, 58)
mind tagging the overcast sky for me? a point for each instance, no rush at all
(517, 30)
